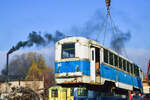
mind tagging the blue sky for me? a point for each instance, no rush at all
(20, 17)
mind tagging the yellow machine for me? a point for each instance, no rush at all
(60, 93)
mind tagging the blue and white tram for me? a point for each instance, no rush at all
(81, 60)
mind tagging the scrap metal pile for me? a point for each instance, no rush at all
(24, 93)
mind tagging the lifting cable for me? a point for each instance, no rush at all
(104, 25)
(114, 29)
(105, 30)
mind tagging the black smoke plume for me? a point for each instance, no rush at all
(118, 41)
(35, 38)
(96, 29)
(58, 35)
(91, 27)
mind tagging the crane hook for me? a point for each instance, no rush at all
(108, 5)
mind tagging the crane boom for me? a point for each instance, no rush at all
(146, 83)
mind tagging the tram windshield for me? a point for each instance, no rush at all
(82, 92)
(54, 93)
(68, 50)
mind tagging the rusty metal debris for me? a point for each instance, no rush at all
(24, 93)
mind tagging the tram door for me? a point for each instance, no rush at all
(94, 63)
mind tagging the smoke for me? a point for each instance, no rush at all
(118, 42)
(91, 26)
(58, 35)
(96, 28)
(90, 29)
(35, 38)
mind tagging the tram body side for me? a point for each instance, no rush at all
(80, 60)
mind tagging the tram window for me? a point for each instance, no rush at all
(128, 70)
(138, 74)
(124, 65)
(72, 92)
(116, 60)
(82, 92)
(97, 54)
(131, 68)
(68, 50)
(110, 58)
(92, 55)
(120, 63)
(136, 70)
(105, 56)
(54, 93)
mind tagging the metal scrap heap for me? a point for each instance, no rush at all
(24, 93)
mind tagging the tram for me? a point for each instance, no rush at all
(81, 60)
